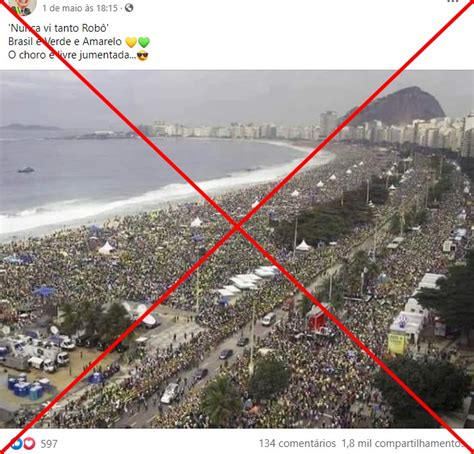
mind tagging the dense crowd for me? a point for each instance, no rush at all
(154, 249)
(331, 378)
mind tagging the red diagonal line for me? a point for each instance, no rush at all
(236, 226)
(117, 341)
(123, 117)
(354, 338)
(354, 114)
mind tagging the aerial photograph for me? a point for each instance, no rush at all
(95, 227)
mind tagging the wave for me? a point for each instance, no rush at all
(70, 211)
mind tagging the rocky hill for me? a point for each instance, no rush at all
(401, 107)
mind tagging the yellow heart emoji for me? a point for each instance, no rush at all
(131, 41)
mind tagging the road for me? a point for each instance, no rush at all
(146, 413)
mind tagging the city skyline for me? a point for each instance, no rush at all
(212, 97)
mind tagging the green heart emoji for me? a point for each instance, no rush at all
(143, 41)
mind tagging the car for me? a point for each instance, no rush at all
(68, 344)
(243, 341)
(226, 354)
(170, 393)
(269, 319)
(303, 336)
(200, 374)
(80, 341)
(121, 348)
(91, 342)
(102, 345)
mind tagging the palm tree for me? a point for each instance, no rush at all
(91, 318)
(221, 402)
(71, 321)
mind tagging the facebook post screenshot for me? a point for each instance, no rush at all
(241, 214)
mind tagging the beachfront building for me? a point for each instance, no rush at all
(467, 146)
(328, 123)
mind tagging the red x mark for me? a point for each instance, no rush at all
(238, 227)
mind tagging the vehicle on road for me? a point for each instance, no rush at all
(91, 342)
(63, 342)
(170, 394)
(243, 341)
(269, 319)
(39, 363)
(226, 354)
(200, 374)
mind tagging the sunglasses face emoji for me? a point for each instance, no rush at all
(142, 55)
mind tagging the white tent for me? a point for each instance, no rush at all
(361, 163)
(249, 277)
(243, 285)
(224, 292)
(413, 306)
(196, 223)
(332, 177)
(263, 272)
(254, 204)
(320, 184)
(106, 249)
(392, 188)
(348, 171)
(430, 280)
(231, 288)
(303, 246)
(295, 193)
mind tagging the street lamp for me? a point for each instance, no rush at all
(295, 237)
(252, 340)
(331, 271)
(368, 190)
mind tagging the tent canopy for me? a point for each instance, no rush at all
(320, 184)
(44, 291)
(196, 222)
(303, 246)
(106, 249)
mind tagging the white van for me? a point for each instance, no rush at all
(36, 362)
(63, 358)
(170, 393)
(269, 319)
(49, 366)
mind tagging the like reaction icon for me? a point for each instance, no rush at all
(17, 445)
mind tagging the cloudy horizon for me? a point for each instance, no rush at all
(58, 98)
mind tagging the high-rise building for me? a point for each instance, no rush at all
(467, 147)
(328, 123)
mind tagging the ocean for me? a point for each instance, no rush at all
(84, 181)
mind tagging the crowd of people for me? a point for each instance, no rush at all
(331, 377)
(152, 250)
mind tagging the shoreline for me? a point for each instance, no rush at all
(157, 199)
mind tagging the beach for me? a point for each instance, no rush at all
(33, 215)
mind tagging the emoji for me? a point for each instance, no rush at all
(17, 445)
(131, 41)
(142, 55)
(144, 41)
(29, 443)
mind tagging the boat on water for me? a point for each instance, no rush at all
(26, 170)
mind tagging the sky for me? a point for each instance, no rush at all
(211, 97)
